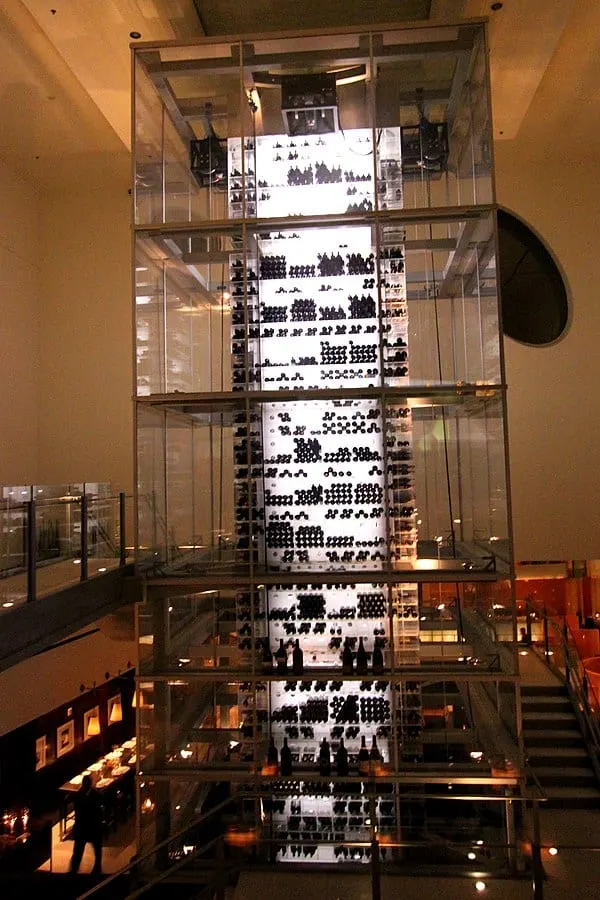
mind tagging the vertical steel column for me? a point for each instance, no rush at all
(31, 549)
(375, 870)
(509, 816)
(536, 856)
(122, 527)
(84, 537)
(162, 724)
(546, 639)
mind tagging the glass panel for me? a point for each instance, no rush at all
(183, 314)
(103, 534)
(439, 303)
(186, 489)
(433, 121)
(187, 106)
(152, 537)
(459, 478)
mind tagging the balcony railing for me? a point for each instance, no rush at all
(52, 537)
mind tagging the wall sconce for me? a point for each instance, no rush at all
(115, 709)
(91, 723)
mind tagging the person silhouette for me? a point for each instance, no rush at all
(88, 825)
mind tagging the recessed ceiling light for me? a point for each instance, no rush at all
(135, 35)
(496, 6)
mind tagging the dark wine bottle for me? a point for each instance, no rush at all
(267, 657)
(297, 659)
(286, 758)
(375, 755)
(361, 659)
(281, 657)
(341, 759)
(363, 754)
(272, 754)
(347, 660)
(324, 758)
(377, 658)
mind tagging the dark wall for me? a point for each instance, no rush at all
(21, 785)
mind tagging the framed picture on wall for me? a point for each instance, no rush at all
(40, 753)
(65, 738)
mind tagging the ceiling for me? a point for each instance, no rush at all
(65, 69)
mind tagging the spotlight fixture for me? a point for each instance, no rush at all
(309, 104)
(553, 851)
(135, 35)
(208, 159)
(480, 886)
(424, 146)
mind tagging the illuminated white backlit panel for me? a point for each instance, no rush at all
(308, 175)
(332, 485)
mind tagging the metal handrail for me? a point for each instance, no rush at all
(31, 507)
(577, 686)
(177, 836)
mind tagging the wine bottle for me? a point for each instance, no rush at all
(267, 657)
(375, 755)
(347, 660)
(377, 658)
(341, 759)
(363, 754)
(361, 659)
(281, 657)
(297, 659)
(286, 758)
(272, 754)
(324, 758)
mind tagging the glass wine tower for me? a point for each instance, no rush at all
(322, 497)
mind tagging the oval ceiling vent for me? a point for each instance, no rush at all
(535, 309)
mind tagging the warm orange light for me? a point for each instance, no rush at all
(241, 836)
(93, 725)
(268, 770)
(385, 839)
(116, 711)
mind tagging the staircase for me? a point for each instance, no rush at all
(556, 749)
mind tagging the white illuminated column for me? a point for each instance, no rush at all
(316, 321)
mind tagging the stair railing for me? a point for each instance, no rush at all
(132, 873)
(562, 657)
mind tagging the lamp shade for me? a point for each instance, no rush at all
(116, 711)
(93, 725)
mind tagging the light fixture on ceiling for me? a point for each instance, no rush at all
(496, 6)
(135, 35)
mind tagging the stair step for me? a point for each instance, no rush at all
(569, 798)
(558, 756)
(546, 704)
(566, 776)
(560, 720)
(547, 737)
(543, 690)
